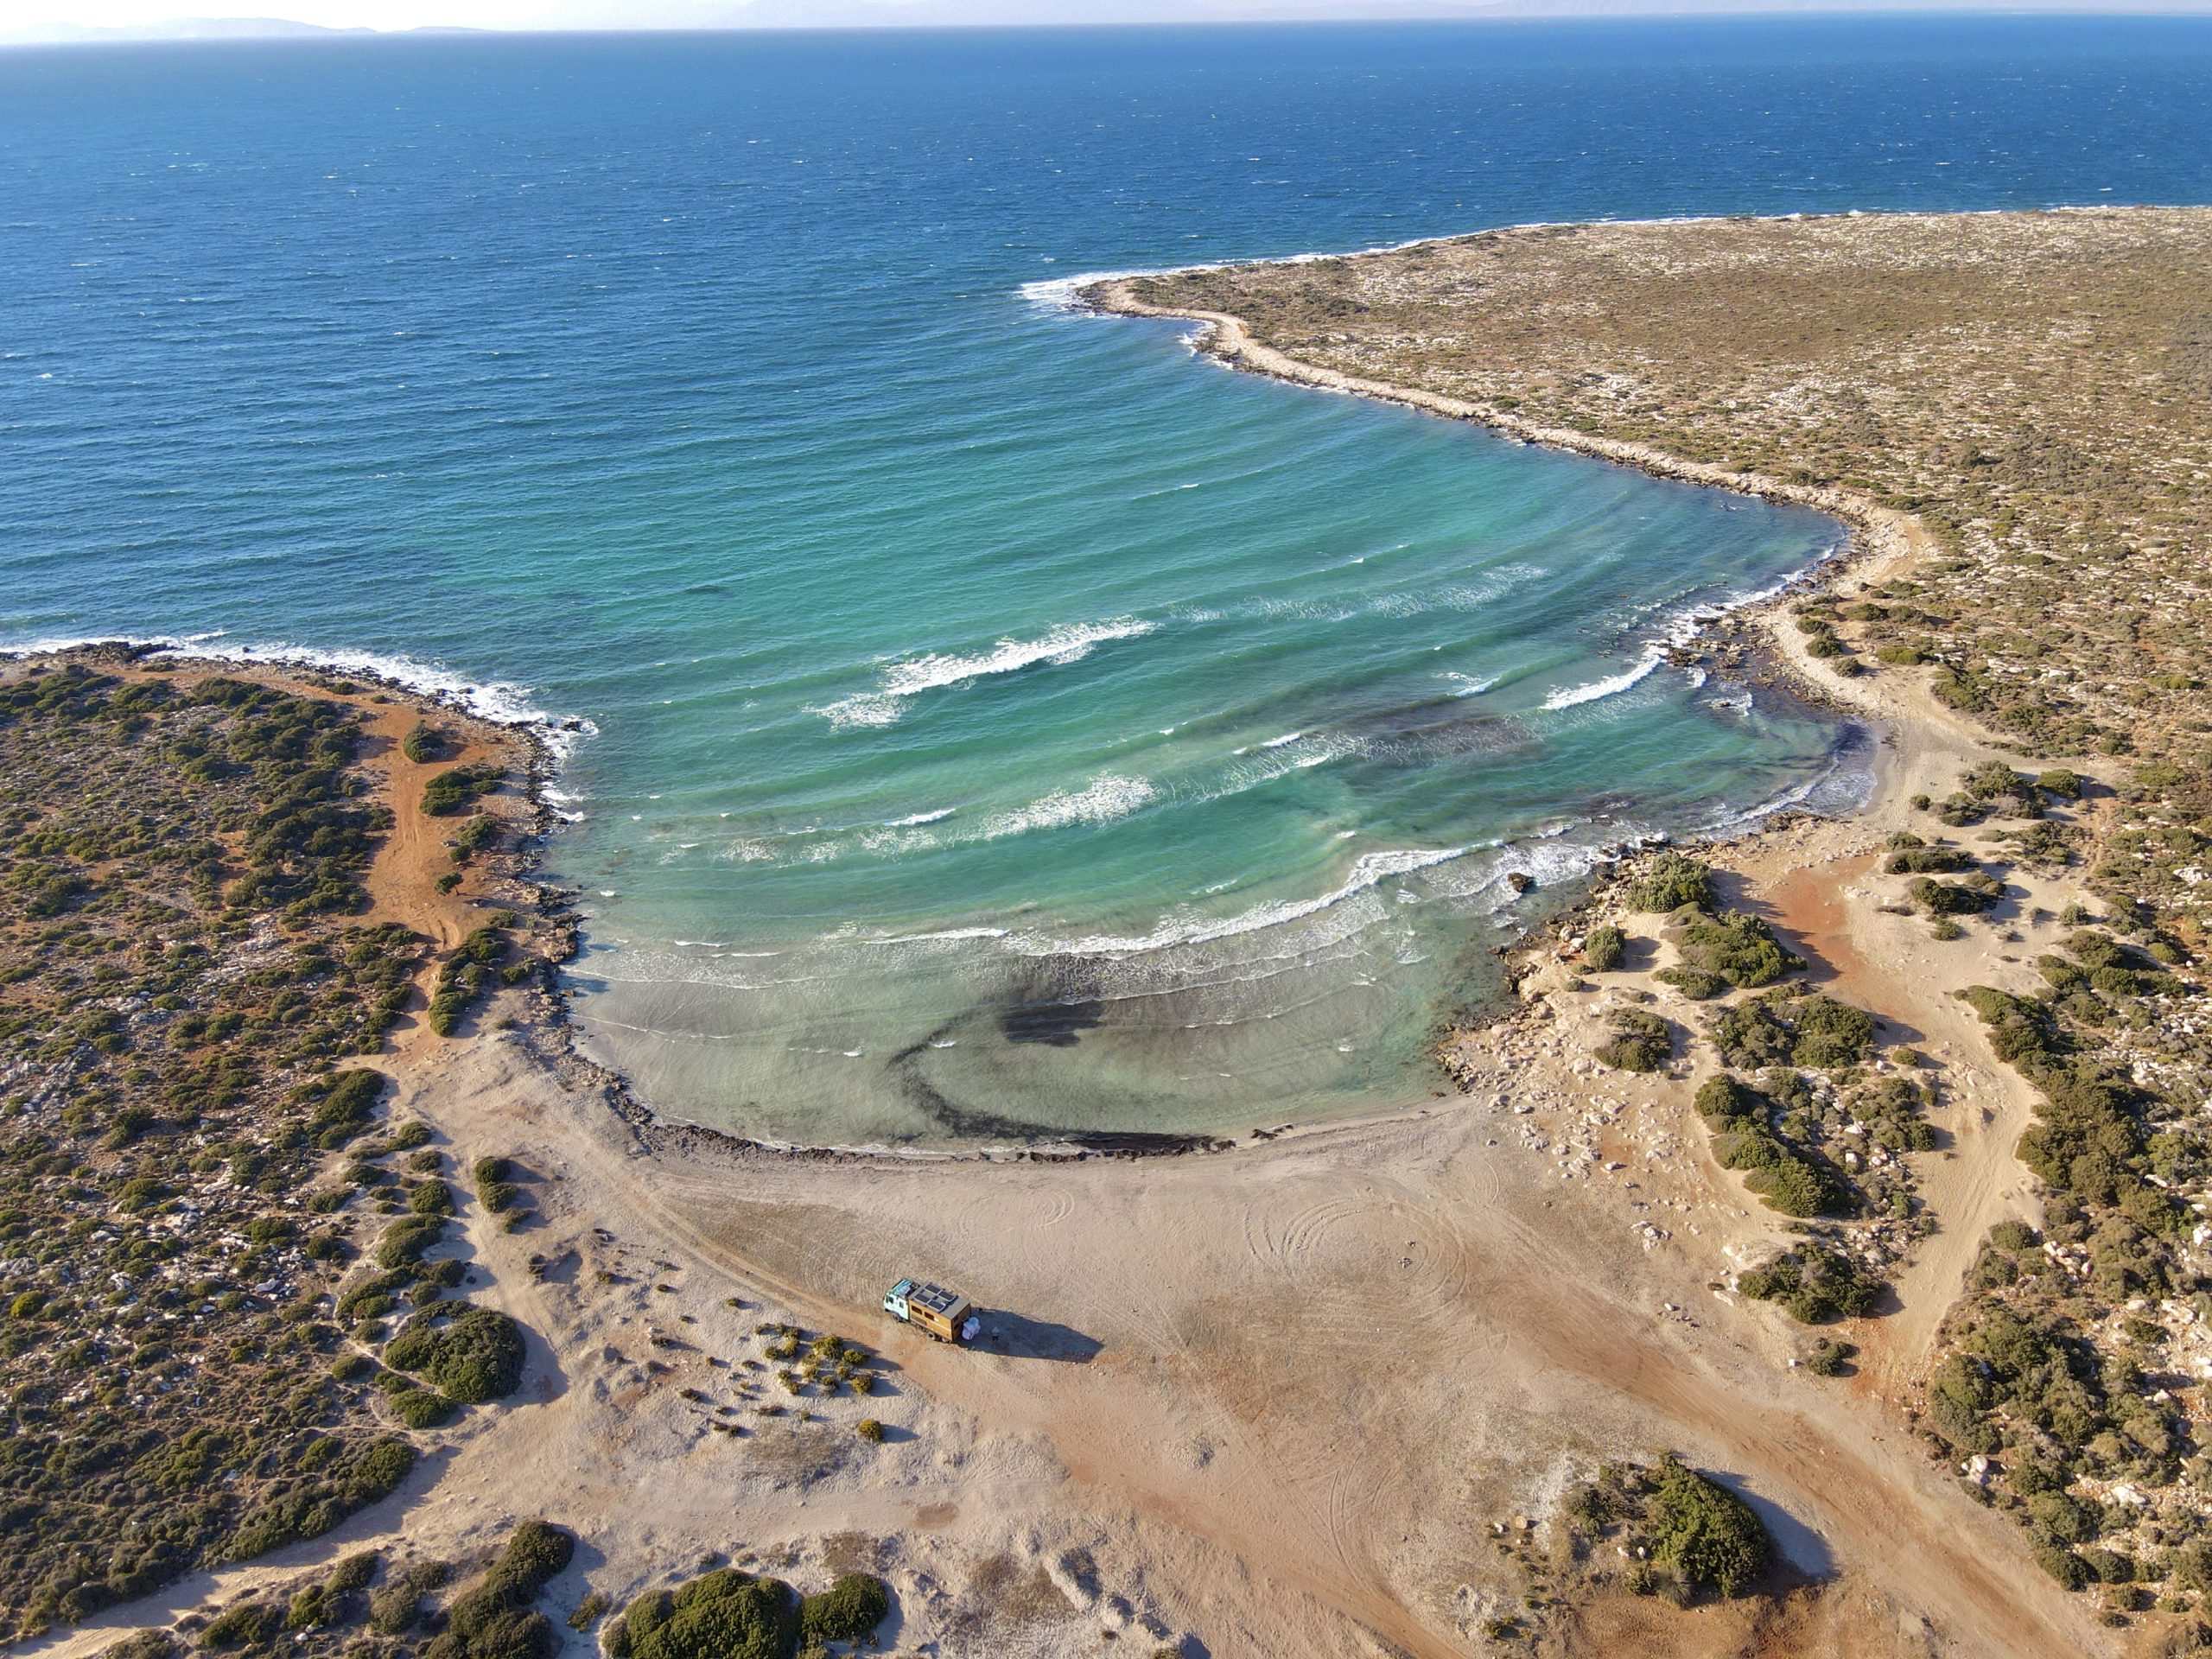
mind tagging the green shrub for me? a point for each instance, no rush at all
(420, 1409)
(1695, 984)
(1954, 898)
(1829, 1035)
(1670, 881)
(395, 1610)
(1642, 1042)
(310, 1507)
(724, 1615)
(472, 837)
(2014, 1236)
(424, 744)
(848, 1611)
(351, 1574)
(869, 1429)
(1813, 1030)
(450, 790)
(2063, 1564)
(1815, 1283)
(475, 1354)
(1705, 1533)
(1727, 1104)
(1830, 1357)
(537, 1552)
(248, 1625)
(1920, 860)
(1798, 1185)
(406, 1239)
(1602, 948)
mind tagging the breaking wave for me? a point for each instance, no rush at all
(1105, 797)
(1070, 643)
(1573, 695)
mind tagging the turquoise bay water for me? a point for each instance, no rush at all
(1003, 718)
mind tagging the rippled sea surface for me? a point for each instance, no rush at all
(1003, 719)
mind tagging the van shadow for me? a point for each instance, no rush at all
(1019, 1337)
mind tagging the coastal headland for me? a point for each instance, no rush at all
(1344, 1387)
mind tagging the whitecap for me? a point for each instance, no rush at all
(1368, 870)
(1105, 797)
(948, 936)
(1068, 643)
(1572, 697)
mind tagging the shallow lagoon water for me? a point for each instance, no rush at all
(1003, 718)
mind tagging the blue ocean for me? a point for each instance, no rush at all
(993, 719)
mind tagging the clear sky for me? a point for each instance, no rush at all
(18, 15)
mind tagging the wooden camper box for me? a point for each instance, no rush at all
(932, 1308)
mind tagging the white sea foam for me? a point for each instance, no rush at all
(1105, 797)
(948, 936)
(1572, 697)
(1278, 742)
(1368, 870)
(1069, 643)
(1466, 685)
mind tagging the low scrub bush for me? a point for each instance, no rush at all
(729, 1614)
(1815, 1283)
(1923, 861)
(450, 790)
(1670, 881)
(1795, 1182)
(493, 1619)
(308, 1507)
(1705, 1532)
(473, 1354)
(724, 1615)
(1602, 948)
(1739, 947)
(1695, 984)
(1642, 1042)
(425, 743)
(1830, 1356)
(1968, 898)
(848, 1611)
(1807, 1030)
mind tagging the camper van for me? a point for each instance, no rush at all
(945, 1314)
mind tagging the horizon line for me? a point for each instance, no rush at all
(61, 33)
